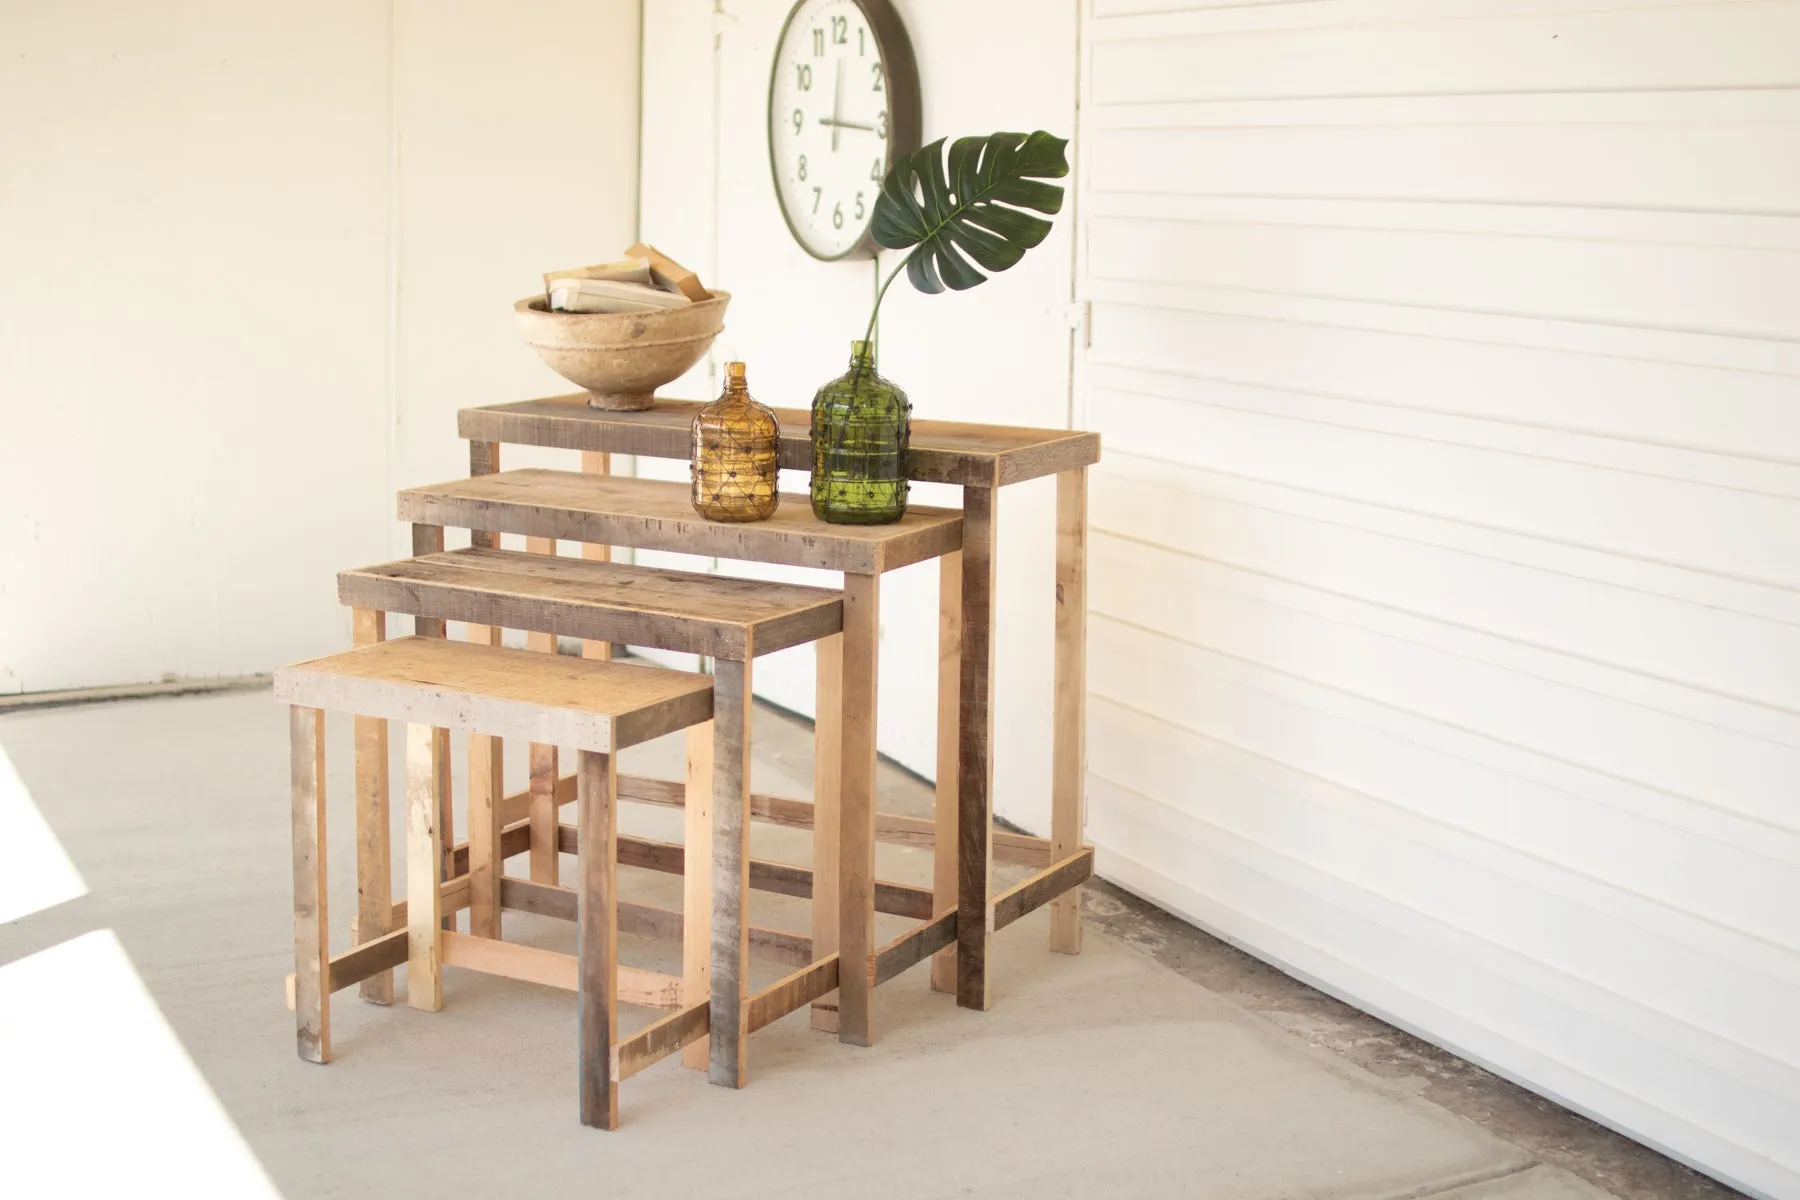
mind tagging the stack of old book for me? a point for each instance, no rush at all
(644, 280)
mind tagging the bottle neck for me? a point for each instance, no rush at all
(862, 356)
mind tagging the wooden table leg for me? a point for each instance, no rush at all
(730, 869)
(374, 854)
(828, 781)
(429, 539)
(424, 854)
(597, 934)
(1069, 751)
(696, 885)
(596, 462)
(487, 787)
(949, 684)
(546, 769)
(312, 950)
(975, 768)
(856, 809)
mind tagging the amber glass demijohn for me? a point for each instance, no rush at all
(861, 425)
(734, 455)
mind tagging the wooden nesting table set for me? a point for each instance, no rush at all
(600, 707)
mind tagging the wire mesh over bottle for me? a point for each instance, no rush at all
(861, 426)
(734, 440)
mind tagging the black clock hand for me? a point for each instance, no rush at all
(844, 124)
(837, 104)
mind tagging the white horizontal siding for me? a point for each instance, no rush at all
(1446, 559)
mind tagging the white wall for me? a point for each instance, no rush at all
(997, 353)
(1446, 580)
(185, 465)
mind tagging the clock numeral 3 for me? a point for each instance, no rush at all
(880, 122)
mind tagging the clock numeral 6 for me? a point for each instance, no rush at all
(837, 216)
(803, 76)
(803, 168)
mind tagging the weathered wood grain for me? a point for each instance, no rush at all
(647, 920)
(974, 767)
(374, 851)
(543, 698)
(791, 993)
(597, 462)
(424, 856)
(713, 615)
(696, 885)
(895, 829)
(550, 968)
(487, 788)
(912, 947)
(427, 539)
(942, 451)
(1040, 889)
(787, 879)
(484, 459)
(949, 731)
(312, 949)
(1069, 703)
(856, 807)
(730, 871)
(597, 937)
(657, 515)
(656, 1041)
(828, 778)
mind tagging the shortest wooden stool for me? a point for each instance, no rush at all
(599, 708)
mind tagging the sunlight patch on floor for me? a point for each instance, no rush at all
(100, 1097)
(35, 873)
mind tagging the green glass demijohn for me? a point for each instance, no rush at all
(861, 425)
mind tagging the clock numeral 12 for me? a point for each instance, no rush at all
(840, 27)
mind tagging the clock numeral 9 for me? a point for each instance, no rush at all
(837, 216)
(876, 71)
(803, 168)
(798, 120)
(803, 76)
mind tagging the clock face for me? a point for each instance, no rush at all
(837, 117)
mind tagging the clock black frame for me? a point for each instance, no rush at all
(904, 117)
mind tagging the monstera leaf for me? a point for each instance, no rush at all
(974, 207)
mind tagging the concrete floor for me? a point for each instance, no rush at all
(144, 1046)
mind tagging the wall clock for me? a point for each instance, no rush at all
(843, 104)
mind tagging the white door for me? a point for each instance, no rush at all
(1446, 554)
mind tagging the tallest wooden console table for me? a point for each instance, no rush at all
(979, 459)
